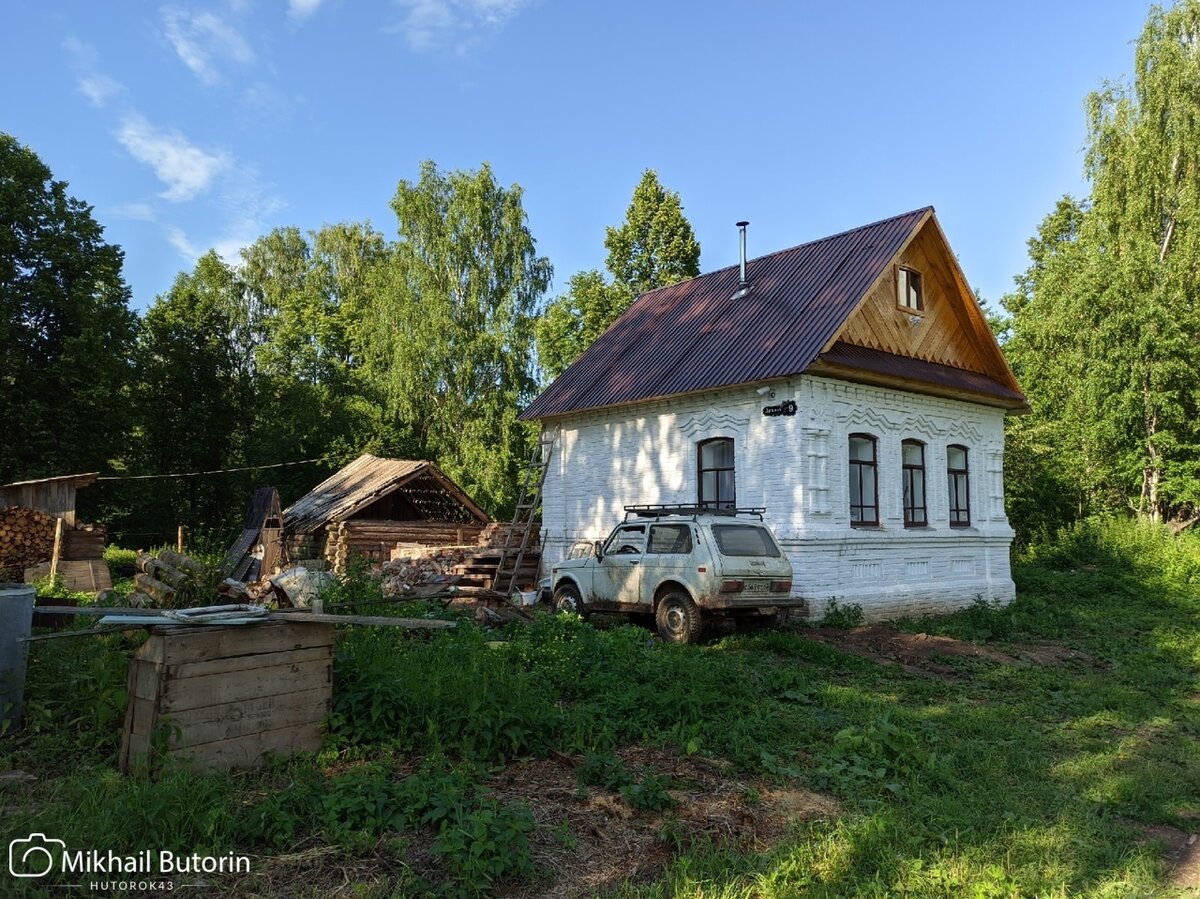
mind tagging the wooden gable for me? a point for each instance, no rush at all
(950, 330)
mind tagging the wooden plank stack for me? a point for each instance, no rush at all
(26, 538)
(224, 697)
(84, 543)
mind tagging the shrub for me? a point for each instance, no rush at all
(880, 754)
(842, 616)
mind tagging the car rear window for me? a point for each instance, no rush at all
(745, 540)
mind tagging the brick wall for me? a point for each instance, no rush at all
(796, 466)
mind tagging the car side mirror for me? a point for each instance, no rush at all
(597, 550)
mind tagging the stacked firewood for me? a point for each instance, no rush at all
(411, 566)
(26, 538)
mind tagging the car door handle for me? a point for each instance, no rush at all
(634, 561)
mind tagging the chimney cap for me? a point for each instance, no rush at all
(741, 224)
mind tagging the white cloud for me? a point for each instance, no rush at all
(176, 237)
(428, 24)
(185, 169)
(244, 205)
(99, 89)
(138, 212)
(92, 83)
(302, 9)
(202, 39)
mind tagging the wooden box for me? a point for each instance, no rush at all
(225, 697)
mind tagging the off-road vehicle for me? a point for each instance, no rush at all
(681, 564)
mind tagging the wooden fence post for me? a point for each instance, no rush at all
(179, 542)
(56, 553)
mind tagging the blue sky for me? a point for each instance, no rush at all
(197, 125)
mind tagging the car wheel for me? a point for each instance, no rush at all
(678, 618)
(566, 599)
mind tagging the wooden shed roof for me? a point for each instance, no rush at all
(369, 478)
(77, 480)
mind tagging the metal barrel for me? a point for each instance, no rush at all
(16, 618)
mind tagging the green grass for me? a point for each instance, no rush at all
(1009, 780)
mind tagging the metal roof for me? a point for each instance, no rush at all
(865, 359)
(369, 478)
(697, 335)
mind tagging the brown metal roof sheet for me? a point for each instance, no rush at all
(696, 335)
(360, 483)
(865, 359)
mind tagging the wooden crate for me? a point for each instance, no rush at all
(224, 697)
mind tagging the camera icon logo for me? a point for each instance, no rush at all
(33, 856)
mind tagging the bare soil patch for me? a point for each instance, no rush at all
(610, 842)
(1181, 852)
(921, 653)
(584, 840)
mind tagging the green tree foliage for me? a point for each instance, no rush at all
(1106, 329)
(306, 300)
(192, 396)
(572, 322)
(653, 247)
(448, 340)
(65, 326)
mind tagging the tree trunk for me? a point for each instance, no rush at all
(1152, 470)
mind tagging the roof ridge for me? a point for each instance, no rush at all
(799, 246)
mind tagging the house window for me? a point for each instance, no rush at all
(716, 476)
(913, 461)
(908, 290)
(957, 475)
(864, 486)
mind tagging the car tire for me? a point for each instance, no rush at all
(566, 599)
(678, 618)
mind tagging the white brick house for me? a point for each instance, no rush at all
(854, 391)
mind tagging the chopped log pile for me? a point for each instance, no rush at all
(474, 566)
(26, 538)
(169, 580)
(27, 550)
(411, 566)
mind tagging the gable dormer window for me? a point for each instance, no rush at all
(909, 295)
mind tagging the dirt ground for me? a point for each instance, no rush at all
(585, 840)
(922, 653)
(1181, 851)
(613, 842)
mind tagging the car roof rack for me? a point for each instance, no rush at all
(656, 510)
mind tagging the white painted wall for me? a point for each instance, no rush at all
(797, 468)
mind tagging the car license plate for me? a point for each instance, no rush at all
(757, 588)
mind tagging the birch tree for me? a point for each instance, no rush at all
(1106, 329)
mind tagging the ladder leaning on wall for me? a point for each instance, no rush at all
(516, 540)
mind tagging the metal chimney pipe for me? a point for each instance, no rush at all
(742, 229)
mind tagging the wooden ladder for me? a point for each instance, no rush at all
(513, 552)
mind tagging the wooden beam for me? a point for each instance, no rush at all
(56, 553)
(296, 617)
